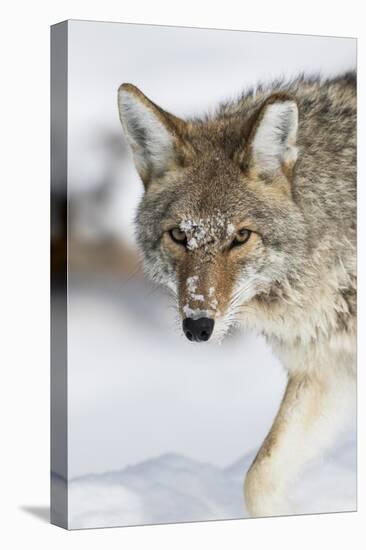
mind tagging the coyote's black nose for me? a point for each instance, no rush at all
(198, 330)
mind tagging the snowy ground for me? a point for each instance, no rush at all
(138, 389)
(173, 488)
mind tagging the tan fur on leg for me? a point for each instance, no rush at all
(309, 418)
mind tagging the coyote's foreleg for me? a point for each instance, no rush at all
(309, 417)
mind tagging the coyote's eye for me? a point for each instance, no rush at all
(241, 237)
(178, 236)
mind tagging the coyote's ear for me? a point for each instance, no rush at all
(155, 136)
(271, 145)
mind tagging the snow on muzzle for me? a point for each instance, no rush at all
(199, 310)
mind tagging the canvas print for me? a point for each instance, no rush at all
(203, 274)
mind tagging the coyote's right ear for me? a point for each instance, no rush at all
(155, 136)
(271, 145)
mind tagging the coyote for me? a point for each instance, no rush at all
(249, 217)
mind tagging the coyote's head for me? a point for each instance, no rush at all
(217, 223)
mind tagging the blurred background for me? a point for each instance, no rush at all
(138, 392)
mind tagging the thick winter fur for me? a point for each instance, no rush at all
(281, 163)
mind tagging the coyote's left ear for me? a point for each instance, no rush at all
(271, 144)
(155, 136)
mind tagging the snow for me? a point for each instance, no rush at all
(173, 488)
(192, 243)
(230, 229)
(131, 368)
(192, 283)
(202, 231)
(138, 389)
(194, 313)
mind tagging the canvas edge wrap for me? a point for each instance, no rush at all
(59, 195)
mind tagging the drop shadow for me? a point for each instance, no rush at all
(40, 512)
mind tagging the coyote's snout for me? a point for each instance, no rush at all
(208, 273)
(249, 218)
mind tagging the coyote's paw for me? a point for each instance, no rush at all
(263, 497)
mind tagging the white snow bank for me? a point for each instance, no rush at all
(173, 488)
